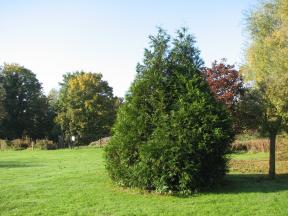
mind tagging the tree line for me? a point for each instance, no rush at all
(84, 107)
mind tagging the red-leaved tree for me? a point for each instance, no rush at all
(226, 84)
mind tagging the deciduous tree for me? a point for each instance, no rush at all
(267, 65)
(227, 85)
(25, 104)
(53, 100)
(86, 107)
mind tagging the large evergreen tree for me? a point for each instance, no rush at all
(171, 134)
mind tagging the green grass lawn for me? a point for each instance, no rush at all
(74, 182)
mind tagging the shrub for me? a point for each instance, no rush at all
(4, 144)
(255, 145)
(21, 144)
(171, 135)
(45, 144)
(100, 143)
(282, 148)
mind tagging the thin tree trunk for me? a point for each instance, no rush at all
(272, 155)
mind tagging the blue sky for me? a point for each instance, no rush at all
(54, 37)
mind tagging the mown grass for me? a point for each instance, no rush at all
(75, 182)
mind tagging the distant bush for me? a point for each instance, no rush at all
(248, 135)
(282, 148)
(5, 144)
(45, 144)
(262, 145)
(25, 143)
(254, 145)
(100, 143)
(21, 144)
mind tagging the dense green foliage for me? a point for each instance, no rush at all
(171, 134)
(2, 99)
(75, 182)
(86, 107)
(53, 109)
(267, 66)
(25, 106)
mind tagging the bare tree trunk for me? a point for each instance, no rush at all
(272, 160)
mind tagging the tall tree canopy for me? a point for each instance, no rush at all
(25, 104)
(86, 107)
(267, 65)
(171, 134)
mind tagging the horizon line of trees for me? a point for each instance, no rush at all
(75, 109)
(84, 107)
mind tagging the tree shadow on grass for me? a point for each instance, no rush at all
(16, 164)
(246, 183)
(251, 183)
